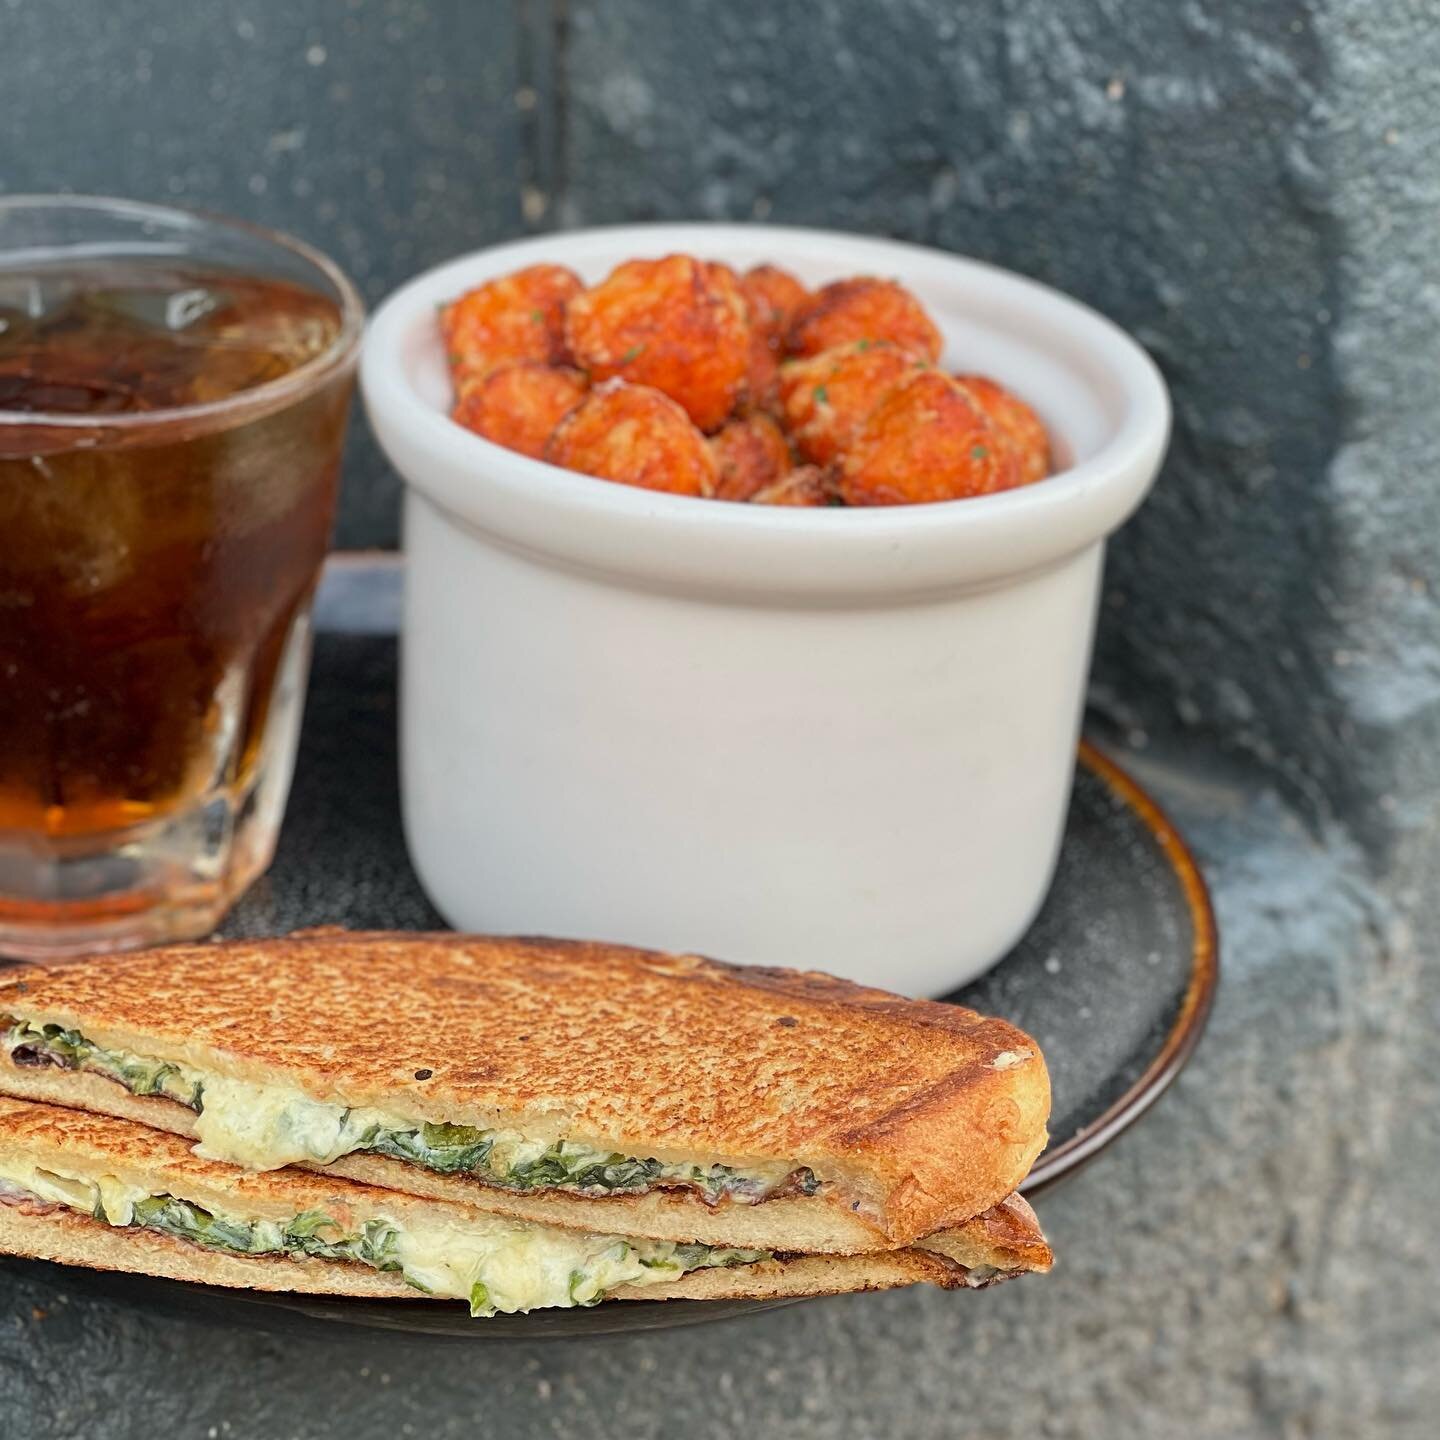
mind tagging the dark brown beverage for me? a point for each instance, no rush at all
(154, 578)
(147, 588)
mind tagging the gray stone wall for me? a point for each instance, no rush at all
(1249, 186)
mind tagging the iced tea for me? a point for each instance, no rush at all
(155, 584)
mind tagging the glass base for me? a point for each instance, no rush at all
(164, 880)
(145, 887)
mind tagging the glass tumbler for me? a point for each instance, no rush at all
(173, 398)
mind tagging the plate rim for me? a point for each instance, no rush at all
(1064, 1160)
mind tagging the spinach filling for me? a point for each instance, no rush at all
(456, 1149)
(382, 1245)
(70, 1050)
(494, 1265)
(374, 1245)
(493, 1157)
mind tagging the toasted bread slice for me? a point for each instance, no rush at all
(71, 1239)
(77, 1145)
(909, 1113)
(791, 1223)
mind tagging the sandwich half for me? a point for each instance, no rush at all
(91, 1190)
(593, 1086)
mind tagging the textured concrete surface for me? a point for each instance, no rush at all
(1248, 185)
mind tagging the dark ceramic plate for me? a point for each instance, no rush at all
(1114, 979)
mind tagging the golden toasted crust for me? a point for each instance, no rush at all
(916, 1111)
(77, 1143)
(1007, 1236)
(804, 1275)
(93, 1094)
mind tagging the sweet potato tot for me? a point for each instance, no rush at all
(762, 376)
(634, 435)
(519, 406)
(676, 325)
(825, 398)
(773, 295)
(927, 440)
(1011, 415)
(514, 318)
(863, 308)
(762, 381)
(750, 453)
(804, 485)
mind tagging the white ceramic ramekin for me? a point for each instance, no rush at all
(838, 739)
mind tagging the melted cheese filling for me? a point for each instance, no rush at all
(496, 1265)
(263, 1127)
